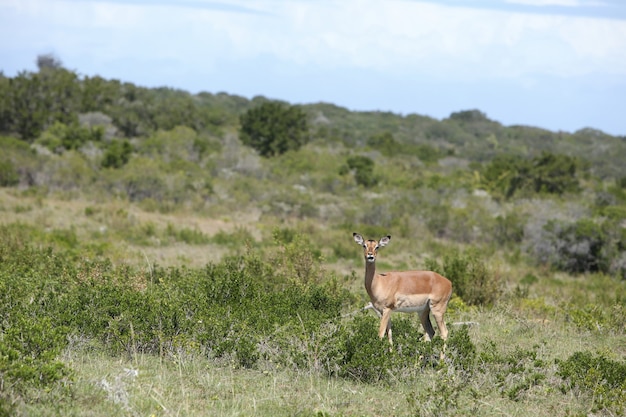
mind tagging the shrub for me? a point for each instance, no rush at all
(385, 143)
(140, 179)
(515, 372)
(366, 359)
(297, 258)
(509, 175)
(273, 128)
(574, 247)
(471, 279)
(61, 137)
(117, 154)
(363, 169)
(598, 318)
(600, 378)
(509, 229)
(8, 174)
(189, 236)
(28, 353)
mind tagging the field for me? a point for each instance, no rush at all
(193, 315)
(172, 254)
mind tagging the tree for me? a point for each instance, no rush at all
(555, 174)
(363, 168)
(509, 175)
(117, 154)
(48, 61)
(273, 128)
(385, 143)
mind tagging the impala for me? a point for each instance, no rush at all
(406, 291)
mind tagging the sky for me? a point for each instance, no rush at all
(554, 64)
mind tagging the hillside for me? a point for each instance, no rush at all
(152, 261)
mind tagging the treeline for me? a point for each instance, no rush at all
(93, 108)
(32, 102)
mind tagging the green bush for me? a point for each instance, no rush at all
(62, 137)
(28, 353)
(117, 154)
(601, 379)
(598, 318)
(298, 259)
(189, 236)
(508, 176)
(274, 128)
(471, 279)
(367, 358)
(385, 143)
(516, 372)
(363, 169)
(8, 174)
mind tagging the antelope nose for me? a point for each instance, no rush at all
(370, 257)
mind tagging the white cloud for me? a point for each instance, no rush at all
(396, 36)
(402, 37)
(404, 55)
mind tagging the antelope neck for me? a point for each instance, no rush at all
(370, 273)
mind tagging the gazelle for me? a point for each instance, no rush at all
(407, 291)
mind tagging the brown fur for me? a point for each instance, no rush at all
(406, 291)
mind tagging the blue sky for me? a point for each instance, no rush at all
(555, 64)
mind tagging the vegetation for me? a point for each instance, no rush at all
(273, 129)
(155, 260)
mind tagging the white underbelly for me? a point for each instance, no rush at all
(412, 303)
(411, 309)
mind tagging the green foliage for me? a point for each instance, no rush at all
(273, 128)
(117, 154)
(363, 169)
(385, 143)
(167, 172)
(426, 153)
(28, 353)
(444, 390)
(601, 379)
(189, 236)
(510, 176)
(298, 259)
(18, 162)
(598, 319)
(32, 101)
(367, 358)
(516, 372)
(8, 174)
(61, 137)
(509, 229)
(242, 312)
(471, 279)
(468, 116)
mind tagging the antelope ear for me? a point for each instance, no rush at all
(383, 241)
(358, 238)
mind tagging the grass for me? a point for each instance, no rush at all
(541, 318)
(196, 385)
(127, 233)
